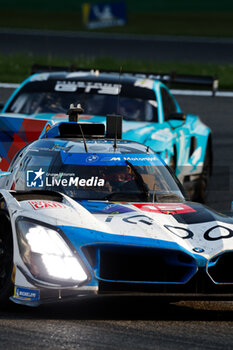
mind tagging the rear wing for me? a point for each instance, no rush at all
(172, 79)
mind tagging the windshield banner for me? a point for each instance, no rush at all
(110, 159)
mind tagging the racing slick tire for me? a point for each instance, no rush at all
(6, 259)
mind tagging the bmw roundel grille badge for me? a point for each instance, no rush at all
(198, 250)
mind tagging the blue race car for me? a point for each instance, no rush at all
(91, 214)
(151, 114)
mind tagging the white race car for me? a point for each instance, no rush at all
(85, 213)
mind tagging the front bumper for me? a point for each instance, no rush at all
(199, 287)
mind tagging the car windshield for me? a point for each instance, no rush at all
(132, 105)
(128, 182)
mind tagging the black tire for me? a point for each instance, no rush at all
(200, 190)
(6, 259)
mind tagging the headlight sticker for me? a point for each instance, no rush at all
(181, 232)
(218, 232)
(213, 234)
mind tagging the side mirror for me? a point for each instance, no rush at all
(177, 116)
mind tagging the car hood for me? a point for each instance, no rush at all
(188, 226)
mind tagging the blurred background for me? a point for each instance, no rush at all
(167, 17)
(180, 35)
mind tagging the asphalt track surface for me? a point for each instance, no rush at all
(81, 44)
(136, 323)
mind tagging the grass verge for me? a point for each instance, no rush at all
(156, 23)
(16, 68)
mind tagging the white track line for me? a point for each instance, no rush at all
(174, 91)
(202, 93)
(9, 85)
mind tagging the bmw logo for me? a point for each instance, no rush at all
(92, 159)
(198, 250)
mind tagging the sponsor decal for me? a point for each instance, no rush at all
(93, 158)
(134, 159)
(26, 293)
(85, 117)
(57, 147)
(135, 219)
(100, 88)
(112, 159)
(145, 83)
(60, 116)
(104, 208)
(166, 208)
(42, 204)
(117, 209)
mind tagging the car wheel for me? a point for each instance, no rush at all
(200, 191)
(6, 259)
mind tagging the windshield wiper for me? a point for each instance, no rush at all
(168, 198)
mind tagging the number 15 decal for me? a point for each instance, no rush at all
(165, 208)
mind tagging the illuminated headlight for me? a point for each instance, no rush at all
(47, 255)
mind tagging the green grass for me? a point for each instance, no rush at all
(160, 23)
(15, 68)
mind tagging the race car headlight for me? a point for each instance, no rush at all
(46, 254)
